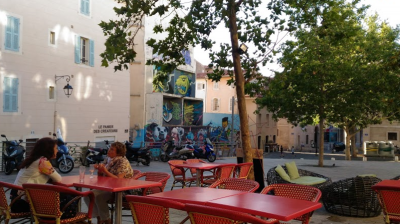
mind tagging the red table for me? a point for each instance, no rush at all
(270, 206)
(196, 195)
(391, 184)
(117, 185)
(199, 168)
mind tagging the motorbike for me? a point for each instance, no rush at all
(170, 151)
(209, 151)
(139, 155)
(13, 155)
(96, 155)
(63, 161)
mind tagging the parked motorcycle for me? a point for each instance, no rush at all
(170, 151)
(209, 151)
(139, 155)
(63, 161)
(13, 155)
(96, 155)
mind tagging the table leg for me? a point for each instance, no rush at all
(198, 173)
(118, 207)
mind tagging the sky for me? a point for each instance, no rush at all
(388, 10)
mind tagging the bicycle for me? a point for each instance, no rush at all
(77, 155)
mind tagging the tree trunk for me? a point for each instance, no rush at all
(239, 78)
(321, 143)
(354, 150)
(347, 150)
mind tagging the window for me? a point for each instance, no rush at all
(85, 7)
(216, 85)
(200, 86)
(306, 139)
(51, 93)
(52, 38)
(10, 94)
(392, 136)
(267, 120)
(84, 51)
(215, 104)
(12, 34)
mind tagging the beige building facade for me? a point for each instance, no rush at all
(44, 43)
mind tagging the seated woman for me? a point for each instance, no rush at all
(116, 166)
(36, 169)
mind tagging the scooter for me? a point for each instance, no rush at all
(13, 155)
(63, 161)
(170, 151)
(209, 151)
(139, 155)
(96, 155)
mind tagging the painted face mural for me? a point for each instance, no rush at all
(182, 84)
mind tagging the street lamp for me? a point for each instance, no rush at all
(67, 88)
(242, 49)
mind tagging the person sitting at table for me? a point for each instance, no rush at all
(36, 169)
(115, 166)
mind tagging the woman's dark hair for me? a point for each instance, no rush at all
(119, 148)
(44, 147)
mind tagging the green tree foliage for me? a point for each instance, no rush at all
(337, 70)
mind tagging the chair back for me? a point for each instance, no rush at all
(193, 170)
(151, 209)
(201, 214)
(243, 170)
(389, 200)
(44, 200)
(225, 171)
(156, 177)
(5, 206)
(295, 191)
(175, 170)
(236, 184)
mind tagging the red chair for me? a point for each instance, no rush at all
(236, 184)
(242, 170)
(201, 214)
(179, 174)
(156, 177)
(222, 172)
(5, 205)
(389, 199)
(44, 200)
(295, 191)
(151, 210)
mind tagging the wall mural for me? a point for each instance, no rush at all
(193, 112)
(220, 126)
(179, 82)
(172, 111)
(156, 134)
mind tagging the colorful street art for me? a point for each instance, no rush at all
(219, 126)
(193, 112)
(172, 111)
(178, 82)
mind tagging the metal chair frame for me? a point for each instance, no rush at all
(5, 205)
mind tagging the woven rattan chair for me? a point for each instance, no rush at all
(201, 214)
(146, 210)
(222, 172)
(242, 170)
(179, 174)
(274, 178)
(352, 197)
(396, 178)
(5, 205)
(389, 200)
(236, 184)
(295, 191)
(44, 200)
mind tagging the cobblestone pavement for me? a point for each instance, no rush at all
(336, 169)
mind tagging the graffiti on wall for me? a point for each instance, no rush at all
(220, 125)
(178, 82)
(178, 134)
(193, 113)
(172, 111)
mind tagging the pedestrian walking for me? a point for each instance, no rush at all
(293, 150)
(282, 152)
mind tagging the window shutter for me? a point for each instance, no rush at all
(9, 31)
(14, 95)
(15, 41)
(91, 54)
(87, 4)
(6, 94)
(83, 7)
(77, 49)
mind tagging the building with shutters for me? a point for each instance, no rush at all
(43, 45)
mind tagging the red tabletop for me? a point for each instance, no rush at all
(270, 206)
(199, 166)
(107, 183)
(196, 195)
(388, 184)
